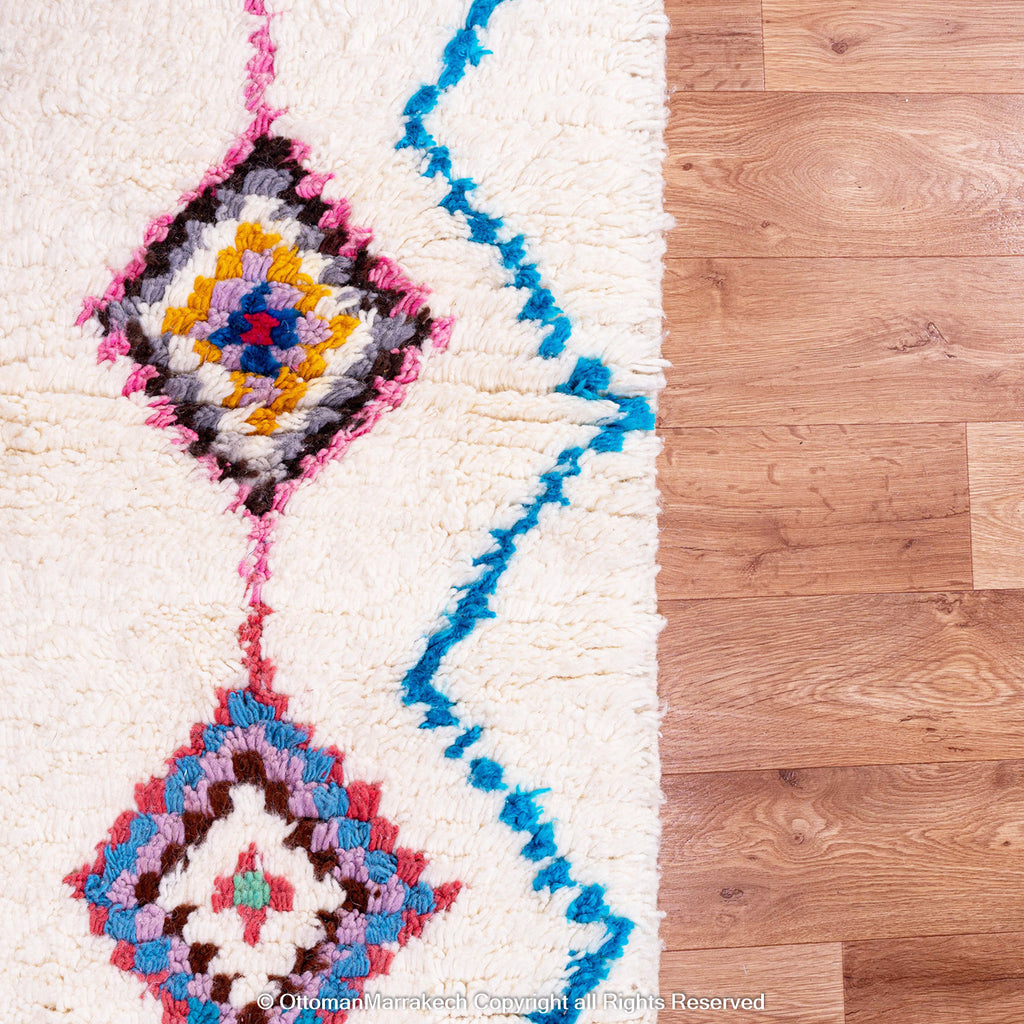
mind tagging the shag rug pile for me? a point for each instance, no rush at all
(331, 336)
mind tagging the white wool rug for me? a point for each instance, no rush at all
(330, 343)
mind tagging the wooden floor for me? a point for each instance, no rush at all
(843, 520)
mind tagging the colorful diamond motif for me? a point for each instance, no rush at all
(315, 899)
(262, 326)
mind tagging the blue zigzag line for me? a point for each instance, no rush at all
(589, 379)
(522, 812)
(464, 50)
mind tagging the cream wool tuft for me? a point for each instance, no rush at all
(330, 354)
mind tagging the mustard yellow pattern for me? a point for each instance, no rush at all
(257, 317)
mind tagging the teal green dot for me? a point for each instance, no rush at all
(251, 890)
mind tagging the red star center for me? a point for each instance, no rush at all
(251, 892)
(260, 324)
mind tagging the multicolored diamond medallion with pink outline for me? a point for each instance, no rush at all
(263, 328)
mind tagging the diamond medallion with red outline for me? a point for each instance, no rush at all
(254, 868)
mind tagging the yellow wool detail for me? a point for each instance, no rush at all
(238, 379)
(180, 320)
(313, 365)
(207, 352)
(262, 420)
(202, 295)
(252, 236)
(286, 267)
(292, 388)
(313, 293)
(341, 328)
(229, 265)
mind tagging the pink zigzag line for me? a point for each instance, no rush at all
(163, 408)
(260, 73)
(255, 570)
(255, 567)
(163, 413)
(209, 463)
(137, 379)
(387, 274)
(337, 217)
(112, 346)
(313, 185)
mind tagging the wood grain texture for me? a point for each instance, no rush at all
(715, 44)
(997, 510)
(858, 680)
(845, 291)
(801, 984)
(757, 341)
(752, 174)
(814, 510)
(935, 980)
(894, 45)
(819, 855)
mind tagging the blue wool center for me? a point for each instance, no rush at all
(256, 327)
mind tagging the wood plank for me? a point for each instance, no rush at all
(894, 45)
(816, 681)
(800, 984)
(714, 44)
(757, 341)
(829, 854)
(936, 980)
(751, 174)
(814, 510)
(997, 516)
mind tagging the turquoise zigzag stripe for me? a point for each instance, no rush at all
(464, 50)
(590, 379)
(522, 811)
